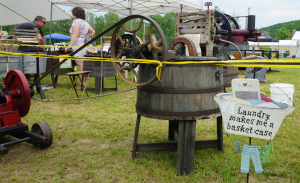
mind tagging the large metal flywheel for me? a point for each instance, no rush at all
(155, 46)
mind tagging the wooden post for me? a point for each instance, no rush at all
(101, 47)
(220, 133)
(209, 41)
(98, 86)
(136, 134)
(177, 22)
(186, 147)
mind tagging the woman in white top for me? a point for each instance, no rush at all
(79, 31)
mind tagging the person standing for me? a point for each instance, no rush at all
(38, 24)
(79, 31)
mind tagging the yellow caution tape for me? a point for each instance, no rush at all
(49, 46)
(281, 63)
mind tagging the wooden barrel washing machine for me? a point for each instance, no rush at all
(186, 91)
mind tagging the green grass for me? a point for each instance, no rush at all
(93, 142)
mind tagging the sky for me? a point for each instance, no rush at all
(267, 12)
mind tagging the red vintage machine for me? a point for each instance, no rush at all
(15, 100)
(239, 37)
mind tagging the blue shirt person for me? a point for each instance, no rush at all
(222, 23)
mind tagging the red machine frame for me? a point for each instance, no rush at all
(15, 100)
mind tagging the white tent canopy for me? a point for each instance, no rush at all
(296, 40)
(282, 46)
(140, 7)
(13, 12)
(296, 36)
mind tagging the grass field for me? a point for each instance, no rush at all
(93, 143)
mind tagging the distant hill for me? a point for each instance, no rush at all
(285, 28)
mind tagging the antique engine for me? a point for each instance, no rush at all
(239, 37)
(15, 103)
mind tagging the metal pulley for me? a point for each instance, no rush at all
(16, 86)
(154, 47)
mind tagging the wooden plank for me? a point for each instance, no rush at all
(25, 30)
(183, 14)
(25, 33)
(191, 31)
(186, 147)
(193, 18)
(164, 146)
(192, 24)
(21, 38)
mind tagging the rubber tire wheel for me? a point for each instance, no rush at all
(42, 128)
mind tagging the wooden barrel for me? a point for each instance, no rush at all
(95, 67)
(185, 92)
(231, 73)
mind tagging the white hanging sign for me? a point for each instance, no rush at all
(251, 121)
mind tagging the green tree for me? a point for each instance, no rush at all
(167, 23)
(282, 34)
(216, 8)
(111, 19)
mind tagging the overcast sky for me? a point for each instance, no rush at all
(268, 12)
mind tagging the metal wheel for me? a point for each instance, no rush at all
(17, 83)
(42, 128)
(233, 20)
(178, 45)
(151, 49)
(128, 42)
(229, 32)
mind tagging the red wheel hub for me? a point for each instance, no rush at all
(17, 84)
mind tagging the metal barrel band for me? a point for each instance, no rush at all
(180, 114)
(230, 75)
(179, 91)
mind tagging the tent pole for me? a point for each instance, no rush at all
(50, 24)
(291, 50)
(131, 29)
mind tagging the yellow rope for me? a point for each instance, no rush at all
(281, 63)
(47, 46)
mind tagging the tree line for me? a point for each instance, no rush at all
(281, 31)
